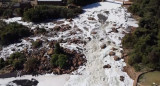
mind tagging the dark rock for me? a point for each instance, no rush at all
(93, 32)
(103, 46)
(122, 78)
(112, 53)
(116, 58)
(91, 18)
(25, 82)
(114, 49)
(107, 66)
(115, 30)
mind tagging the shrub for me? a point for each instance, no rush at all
(18, 12)
(57, 49)
(37, 44)
(59, 60)
(41, 30)
(2, 63)
(7, 13)
(137, 67)
(54, 59)
(62, 61)
(41, 13)
(12, 32)
(31, 64)
(17, 60)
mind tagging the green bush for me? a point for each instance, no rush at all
(2, 63)
(145, 40)
(137, 67)
(59, 60)
(12, 32)
(41, 13)
(7, 13)
(17, 60)
(41, 30)
(54, 59)
(57, 49)
(62, 61)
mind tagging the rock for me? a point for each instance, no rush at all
(60, 22)
(93, 32)
(79, 63)
(107, 66)
(115, 30)
(103, 46)
(123, 32)
(112, 53)
(114, 24)
(91, 18)
(116, 58)
(58, 71)
(101, 39)
(13, 49)
(69, 20)
(57, 28)
(114, 48)
(122, 78)
(50, 51)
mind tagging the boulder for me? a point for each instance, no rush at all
(107, 66)
(116, 58)
(114, 48)
(115, 30)
(122, 78)
(103, 46)
(50, 51)
(112, 53)
(57, 28)
(93, 32)
(91, 18)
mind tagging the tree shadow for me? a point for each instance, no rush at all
(92, 6)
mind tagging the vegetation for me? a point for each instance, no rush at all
(59, 58)
(31, 64)
(144, 42)
(2, 63)
(81, 2)
(10, 33)
(17, 60)
(41, 13)
(37, 44)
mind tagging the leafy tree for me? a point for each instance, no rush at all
(145, 40)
